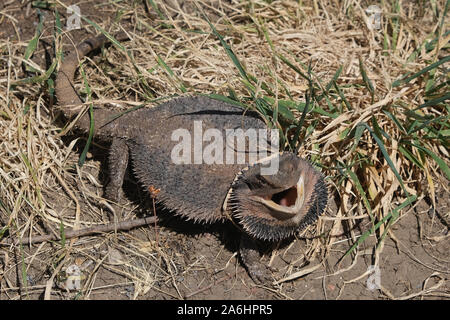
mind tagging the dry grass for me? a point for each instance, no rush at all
(382, 144)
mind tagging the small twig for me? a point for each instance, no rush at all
(121, 226)
(153, 193)
(156, 226)
(227, 277)
(299, 274)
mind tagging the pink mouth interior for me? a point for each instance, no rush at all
(285, 198)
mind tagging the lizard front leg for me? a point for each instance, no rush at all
(118, 163)
(249, 252)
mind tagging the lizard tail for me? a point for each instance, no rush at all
(64, 87)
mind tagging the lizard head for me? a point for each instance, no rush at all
(273, 206)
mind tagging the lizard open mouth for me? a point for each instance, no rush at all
(287, 203)
(285, 198)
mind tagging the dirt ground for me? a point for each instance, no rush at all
(182, 260)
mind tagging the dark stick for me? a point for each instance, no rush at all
(120, 226)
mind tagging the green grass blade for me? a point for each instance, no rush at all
(8, 213)
(309, 96)
(34, 177)
(42, 5)
(23, 268)
(116, 116)
(283, 107)
(437, 87)
(410, 156)
(359, 130)
(342, 96)
(444, 15)
(399, 82)
(434, 101)
(395, 120)
(333, 80)
(161, 62)
(377, 129)
(429, 46)
(441, 163)
(395, 22)
(292, 66)
(330, 84)
(393, 214)
(91, 115)
(366, 79)
(58, 24)
(386, 156)
(228, 50)
(158, 12)
(32, 45)
(425, 124)
(62, 233)
(224, 99)
(361, 191)
(40, 78)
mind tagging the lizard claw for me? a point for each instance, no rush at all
(259, 272)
